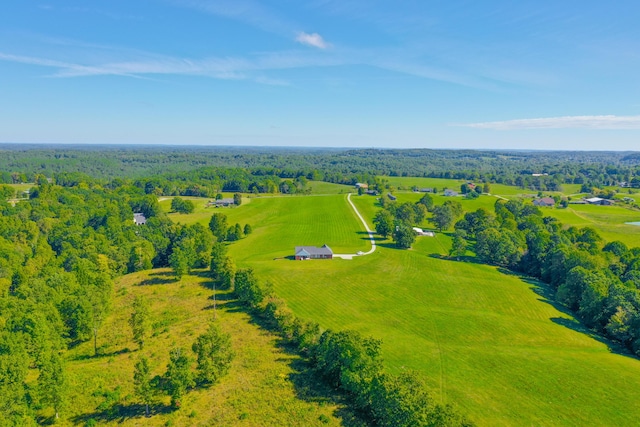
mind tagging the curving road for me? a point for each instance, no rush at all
(366, 227)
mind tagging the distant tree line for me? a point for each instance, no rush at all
(186, 170)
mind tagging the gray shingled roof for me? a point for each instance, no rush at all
(313, 250)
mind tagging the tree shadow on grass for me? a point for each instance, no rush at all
(161, 273)
(465, 258)
(158, 281)
(102, 355)
(547, 296)
(309, 387)
(121, 412)
(575, 325)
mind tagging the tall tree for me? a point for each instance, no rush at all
(218, 226)
(143, 384)
(51, 382)
(443, 217)
(178, 378)
(459, 244)
(404, 236)
(179, 262)
(237, 199)
(213, 353)
(140, 320)
(383, 222)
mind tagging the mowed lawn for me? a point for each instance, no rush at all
(488, 341)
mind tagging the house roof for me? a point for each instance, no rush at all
(139, 218)
(545, 201)
(593, 200)
(313, 250)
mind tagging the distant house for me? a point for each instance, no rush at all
(539, 174)
(593, 200)
(221, 203)
(450, 193)
(599, 201)
(139, 218)
(313, 252)
(362, 185)
(544, 201)
(391, 196)
(426, 190)
(371, 192)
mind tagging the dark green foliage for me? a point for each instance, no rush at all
(404, 236)
(403, 401)
(180, 205)
(247, 288)
(459, 244)
(218, 226)
(213, 355)
(349, 361)
(140, 321)
(383, 222)
(237, 199)
(426, 201)
(443, 217)
(178, 378)
(143, 383)
(234, 233)
(247, 229)
(52, 386)
(221, 267)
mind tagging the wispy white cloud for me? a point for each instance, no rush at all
(566, 122)
(313, 39)
(248, 11)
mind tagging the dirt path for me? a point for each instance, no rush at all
(366, 227)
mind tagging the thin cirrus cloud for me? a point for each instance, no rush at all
(607, 122)
(313, 39)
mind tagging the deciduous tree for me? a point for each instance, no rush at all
(213, 354)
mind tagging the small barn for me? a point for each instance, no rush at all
(313, 252)
(450, 193)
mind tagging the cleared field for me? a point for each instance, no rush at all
(263, 387)
(608, 220)
(490, 342)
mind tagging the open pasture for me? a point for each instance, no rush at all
(609, 221)
(488, 341)
(262, 388)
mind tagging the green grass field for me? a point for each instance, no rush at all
(609, 221)
(264, 386)
(488, 341)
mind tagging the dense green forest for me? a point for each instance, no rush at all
(264, 169)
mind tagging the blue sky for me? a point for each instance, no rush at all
(347, 73)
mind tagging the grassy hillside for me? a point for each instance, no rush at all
(489, 341)
(265, 385)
